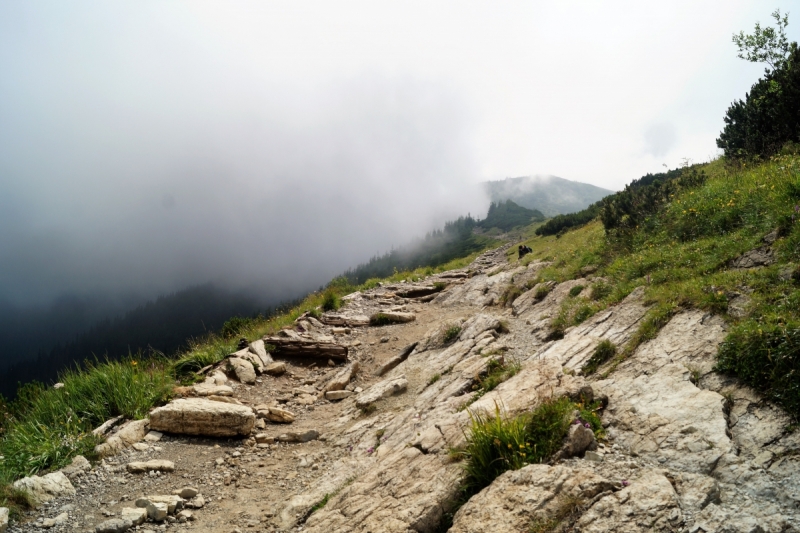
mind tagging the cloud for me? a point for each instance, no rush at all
(659, 139)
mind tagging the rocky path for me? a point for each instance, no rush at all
(366, 449)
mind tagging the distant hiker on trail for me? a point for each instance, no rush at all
(523, 250)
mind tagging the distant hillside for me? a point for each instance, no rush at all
(164, 324)
(549, 194)
(507, 215)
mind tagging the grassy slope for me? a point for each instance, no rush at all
(682, 259)
(46, 427)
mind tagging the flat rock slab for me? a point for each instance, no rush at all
(391, 317)
(275, 414)
(141, 467)
(3, 519)
(212, 389)
(197, 416)
(338, 394)
(45, 488)
(382, 389)
(136, 515)
(304, 436)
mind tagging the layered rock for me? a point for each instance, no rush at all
(196, 416)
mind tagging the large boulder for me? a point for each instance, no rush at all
(259, 348)
(244, 370)
(45, 488)
(197, 416)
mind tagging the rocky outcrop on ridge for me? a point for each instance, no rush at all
(363, 445)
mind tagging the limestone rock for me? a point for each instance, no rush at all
(342, 379)
(55, 521)
(196, 416)
(392, 317)
(292, 345)
(338, 394)
(3, 519)
(157, 511)
(579, 439)
(211, 389)
(79, 465)
(277, 415)
(304, 436)
(382, 389)
(153, 436)
(397, 359)
(141, 467)
(115, 525)
(45, 488)
(130, 432)
(187, 493)
(136, 515)
(243, 369)
(763, 256)
(258, 348)
(275, 369)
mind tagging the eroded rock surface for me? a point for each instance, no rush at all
(686, 449)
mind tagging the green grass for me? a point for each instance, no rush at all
(451, 334)
(510, 293)
(681, 255)
(604, 351)
(496, 444)
(45, 427)
(331, 301)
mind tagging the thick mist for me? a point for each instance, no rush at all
(150, 165)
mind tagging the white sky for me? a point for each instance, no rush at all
(600, 92)
(148, 145)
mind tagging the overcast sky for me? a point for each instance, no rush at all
(149, 145)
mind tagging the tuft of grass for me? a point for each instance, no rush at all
(604, 351)
(541, 292)
(510, 293)
(331, 300)
(451, 334)
(600, 289)
(500, 443)
(439, 286)
(381, 319)
(497, 371)
(434, 378)
(576, 290)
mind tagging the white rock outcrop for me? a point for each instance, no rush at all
(197, 416)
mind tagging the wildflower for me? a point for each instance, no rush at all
(586, 425)
(370, 450)
(134, 363)
(625, 483)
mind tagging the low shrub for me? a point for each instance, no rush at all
(600, 290)
(511, 293)
(602, 353)
(576, 290)
(331, 300)
(235, 325)
(541, 292)
(766, 358)
(451, 334)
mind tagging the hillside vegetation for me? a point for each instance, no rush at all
(681, 244)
